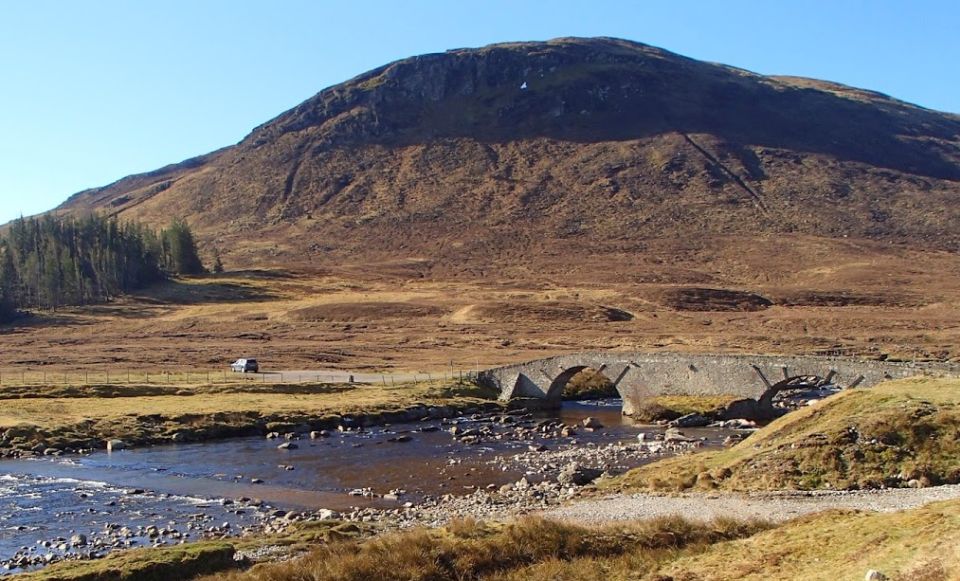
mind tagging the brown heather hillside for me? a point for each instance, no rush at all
(612, 143)
(627, 197)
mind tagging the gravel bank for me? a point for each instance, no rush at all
(776, 506)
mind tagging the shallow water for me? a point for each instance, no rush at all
(45, 498)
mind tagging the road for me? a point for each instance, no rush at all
(340, 376)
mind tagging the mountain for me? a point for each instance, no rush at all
(532, 157)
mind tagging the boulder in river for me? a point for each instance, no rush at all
(575, 474)
(693, 420)
(287, 446)
(675, 435)
(592, 423)
(115, 445)
(327, 514)
(78, 540)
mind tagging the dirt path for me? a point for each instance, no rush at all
(768, 506)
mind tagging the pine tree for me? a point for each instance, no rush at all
(9, 285)
(217, 263)
(181, 249)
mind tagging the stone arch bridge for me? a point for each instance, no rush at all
(638, 376)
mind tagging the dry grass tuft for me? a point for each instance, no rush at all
(530, 548)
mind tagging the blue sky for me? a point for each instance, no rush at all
(95, 90)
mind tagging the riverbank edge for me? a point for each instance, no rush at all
(28, 440)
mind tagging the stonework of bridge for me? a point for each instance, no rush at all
(639, 376)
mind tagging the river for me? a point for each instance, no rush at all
(207, 489)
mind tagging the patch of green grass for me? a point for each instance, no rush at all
(889, 435)
(149, 564)
(671, 407)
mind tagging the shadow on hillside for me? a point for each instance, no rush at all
(177, 292)
(255, 274)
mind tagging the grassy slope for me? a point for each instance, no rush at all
(920, 544)
(886, 435)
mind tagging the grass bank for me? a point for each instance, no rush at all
(528, 549)
(153, 564)
(53, 419)
(914, 545)
(900, 433)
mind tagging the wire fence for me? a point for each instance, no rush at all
(56, 378)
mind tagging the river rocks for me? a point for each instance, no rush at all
(401, 438)
(732, 440)
(592, 423)
(575, 474)
(273, 435)
(78, 540)
(327, 514)
(673, 435)
(287, 446)
(256, 481)
(735, 424)
(317, 434)
(690, 421)
(116, 445)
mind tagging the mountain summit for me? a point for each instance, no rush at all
(582, 147)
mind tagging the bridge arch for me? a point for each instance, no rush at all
(563, 379)
(790, 383)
